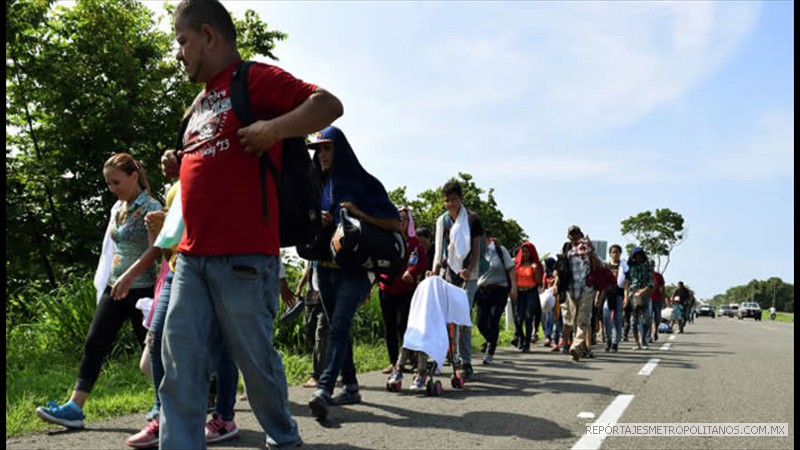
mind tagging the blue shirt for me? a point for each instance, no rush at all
(130, 237)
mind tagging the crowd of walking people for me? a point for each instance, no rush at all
(210, 262)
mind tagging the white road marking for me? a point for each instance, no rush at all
(610, 416)
(586, 415)
(672, 338)
(649, 367)
(666, 346)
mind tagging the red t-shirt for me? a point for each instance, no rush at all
(658, 287)
(220, 182)
(396, 285)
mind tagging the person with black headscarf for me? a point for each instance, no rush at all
(345, 185)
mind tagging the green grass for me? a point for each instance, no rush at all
(779, 317)
(43, 356)
(122, 388)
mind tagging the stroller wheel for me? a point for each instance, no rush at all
(437, 388)
(457, 381)
(429, 390)
(394, 386)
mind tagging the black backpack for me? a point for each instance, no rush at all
(563, 269)
(359, 244)
(299, 186)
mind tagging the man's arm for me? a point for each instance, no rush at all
(316, 112)
(303, 280)
(475, 248)
(380, 222)
(438, 244)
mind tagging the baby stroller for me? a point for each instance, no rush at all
(435, 305)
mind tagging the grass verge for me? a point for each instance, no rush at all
(122, 388)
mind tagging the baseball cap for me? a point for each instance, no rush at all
(317, 138)
(574, 228)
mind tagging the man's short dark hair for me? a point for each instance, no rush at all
(211, 12)
(615, 246)
(452, 187)
(424, 232)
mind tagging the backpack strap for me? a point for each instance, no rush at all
(240, 103)
(181, 131)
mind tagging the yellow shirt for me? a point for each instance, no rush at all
(174, 190)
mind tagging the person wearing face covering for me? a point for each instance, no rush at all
(345, 185)
(396, 291)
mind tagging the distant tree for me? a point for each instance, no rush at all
(428, 206)
(658, 234)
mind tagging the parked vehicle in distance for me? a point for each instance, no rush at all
(734, 309)
(750, 309)
(725, 310)
(706, 310)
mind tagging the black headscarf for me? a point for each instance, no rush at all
(351, 183)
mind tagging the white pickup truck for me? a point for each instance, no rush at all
(749, 309)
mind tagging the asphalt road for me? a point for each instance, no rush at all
(719, 371)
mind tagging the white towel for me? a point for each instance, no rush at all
(435, 304)
(459, 241)
(621, 274)
(103, 272)
(145, 304)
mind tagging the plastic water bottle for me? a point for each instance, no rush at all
(414, 258)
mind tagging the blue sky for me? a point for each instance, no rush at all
(578, 112)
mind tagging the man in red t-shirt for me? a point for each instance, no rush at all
(225, 289)
(657, 296)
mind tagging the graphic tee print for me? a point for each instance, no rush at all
(220, 182)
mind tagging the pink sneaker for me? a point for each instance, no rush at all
(218, 430)
(147, 438)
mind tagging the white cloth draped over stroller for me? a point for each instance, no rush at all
(435, 304)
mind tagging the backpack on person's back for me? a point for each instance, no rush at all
(299, 188)
(563, 269)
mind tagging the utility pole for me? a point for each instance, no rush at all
(774, 288)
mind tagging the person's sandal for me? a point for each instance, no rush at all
(311, 383)
(389, 369)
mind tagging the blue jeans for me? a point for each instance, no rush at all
(342, 291)
(464, 334)
(231, 300)
(528, 308)
(227, 372)
(657, 306)
(553, 329)
(613, 303)
(155, 333)
(642, 319)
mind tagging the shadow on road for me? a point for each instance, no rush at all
(483, 423)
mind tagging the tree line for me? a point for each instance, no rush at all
(99, 77)
(767, 293)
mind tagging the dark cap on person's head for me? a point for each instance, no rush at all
(574, 228)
